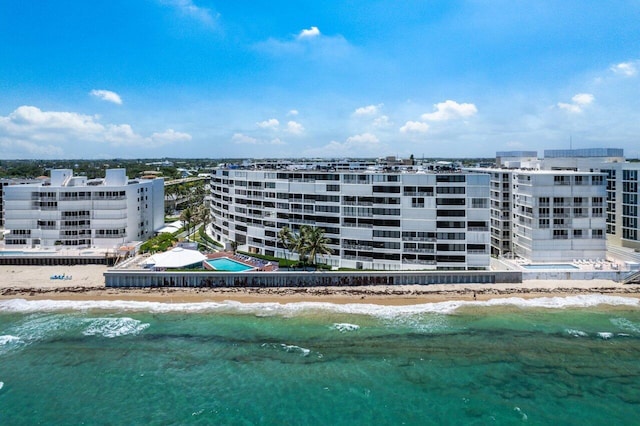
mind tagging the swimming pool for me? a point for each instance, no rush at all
(25, 253)
(546, 266)
(226, 264)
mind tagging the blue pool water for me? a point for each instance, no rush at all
(545, 266)
(23, 253)
(226, 264)
(10, 253)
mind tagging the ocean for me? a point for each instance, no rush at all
(570, 360)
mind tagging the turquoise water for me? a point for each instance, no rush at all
(226, 264)
(568, 360)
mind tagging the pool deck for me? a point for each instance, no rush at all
(257, 264)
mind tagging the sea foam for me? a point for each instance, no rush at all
(344, 327)
(576, 333)
(8, 339)
(626, 325)
(605, 335)
(114, 327)
(292, 309)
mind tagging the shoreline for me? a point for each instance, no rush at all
(87, 283)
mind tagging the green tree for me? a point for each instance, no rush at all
(298, 243)
(316, 243)
(187, 217)
(284, 237)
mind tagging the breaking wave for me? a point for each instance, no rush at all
(114, 327)
(292, 309)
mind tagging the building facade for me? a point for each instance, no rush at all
(375, 219)
(73, 211)
(6, 182)
(547, 215)
(622, 201)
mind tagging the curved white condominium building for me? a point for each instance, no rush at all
(386, 220)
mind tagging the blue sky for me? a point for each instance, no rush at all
(246, 79)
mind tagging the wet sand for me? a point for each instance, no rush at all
(87, 283)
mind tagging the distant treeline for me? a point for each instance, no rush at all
(95, 168)
(169, 167)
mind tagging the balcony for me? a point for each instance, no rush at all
(418, 262)
(418, 250)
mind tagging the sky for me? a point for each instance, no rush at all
(330, 79)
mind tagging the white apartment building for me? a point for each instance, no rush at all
(74, 211)
(548, 216)
(402, 220)
(4, 182)
(622, 187)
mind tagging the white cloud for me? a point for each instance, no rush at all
(295, 128)
(21, 148)
(368, 110)
(31, 130)
(583, 99)
(414, 127)
(309, 33)
(362, 145)
(627, 69)
(276, 141)
(271, 123)
(382, 122)
(364, 138)
(241, 138)
(189, 8)
(170, 136)
(580, 101)
(293, 112)
(449, 110)
(309, 44)
(107, 95)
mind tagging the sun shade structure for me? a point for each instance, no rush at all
(176, 258)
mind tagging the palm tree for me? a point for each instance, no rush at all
(284, 237)
(315, 243)
(187, 216)
(298, 242)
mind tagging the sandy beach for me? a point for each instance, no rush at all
(87, 283)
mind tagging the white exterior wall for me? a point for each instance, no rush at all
(77, 213)
(555, 221)
(623, 199)
(370, 228)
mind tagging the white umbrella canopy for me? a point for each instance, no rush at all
(176, 258)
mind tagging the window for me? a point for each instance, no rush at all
(450, 190)
(449, 224)
(561, 180)
(560, 234)
(386, 234)
(450, 178)
(479, 203)
(417, 202)
(450, 201)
